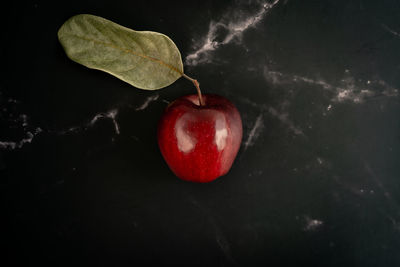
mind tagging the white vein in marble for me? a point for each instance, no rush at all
(395, 223)
(11, 145)
(17, 121)
(348, 89)
(147, 101)
(312, 224)
(386, 28)
(254, 132)
(281, 115)
(284, 118)
(20, 121)
(233, 26)
(220, 238)
(111, 114)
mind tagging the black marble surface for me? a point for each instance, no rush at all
(315, 183)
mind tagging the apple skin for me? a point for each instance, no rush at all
(200, 143)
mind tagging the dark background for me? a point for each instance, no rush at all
(316, 181)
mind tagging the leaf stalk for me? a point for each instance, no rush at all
(197, 85)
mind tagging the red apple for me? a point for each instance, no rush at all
(200, 142)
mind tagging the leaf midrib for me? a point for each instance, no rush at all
(129, 51)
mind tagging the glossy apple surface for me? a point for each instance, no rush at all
(200, 143)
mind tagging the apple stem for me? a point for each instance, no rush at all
(197, 85)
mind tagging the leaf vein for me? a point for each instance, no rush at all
(130, 51)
